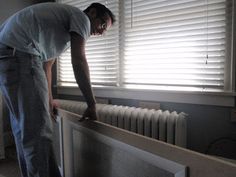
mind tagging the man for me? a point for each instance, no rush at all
(29, 42)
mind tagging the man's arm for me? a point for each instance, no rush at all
(81, 72)
(48, 71)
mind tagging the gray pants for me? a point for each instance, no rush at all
(24, 87)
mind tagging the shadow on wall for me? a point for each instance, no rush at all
(7, 8)
(223, 147)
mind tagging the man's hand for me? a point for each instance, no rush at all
(89, 114)
(53, 105)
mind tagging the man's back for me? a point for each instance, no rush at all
(43, 29)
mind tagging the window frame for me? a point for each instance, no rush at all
(224, 98)
(201, 98)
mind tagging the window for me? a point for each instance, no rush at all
(166, 44)
(102, 52)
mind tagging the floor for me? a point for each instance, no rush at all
(9, 166)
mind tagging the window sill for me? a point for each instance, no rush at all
(202, 98)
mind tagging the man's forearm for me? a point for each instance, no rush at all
(81, 69)
(82, 76)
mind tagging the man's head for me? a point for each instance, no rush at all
(101, 18)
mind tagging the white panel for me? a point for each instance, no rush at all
(93, 154)
(113, 152)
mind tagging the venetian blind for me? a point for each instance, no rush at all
(160, 44)
(101, 52)
(176, 44)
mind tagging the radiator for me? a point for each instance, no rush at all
(166, 126)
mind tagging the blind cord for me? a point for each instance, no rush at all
(131, 14)
(207, 35)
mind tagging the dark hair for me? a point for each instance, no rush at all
(101, 11)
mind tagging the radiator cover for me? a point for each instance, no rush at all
(170, 127)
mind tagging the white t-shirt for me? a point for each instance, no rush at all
(44, 29)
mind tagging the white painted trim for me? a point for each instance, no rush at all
(202, 98)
